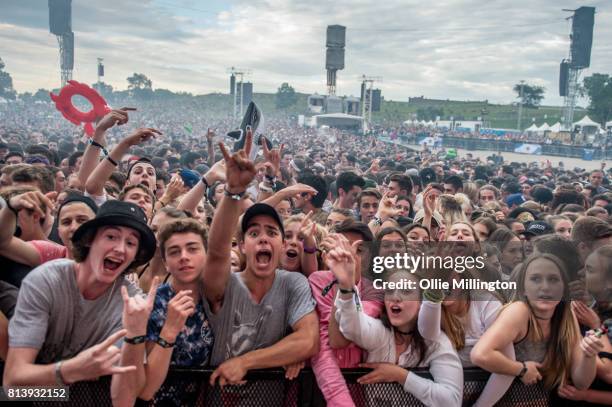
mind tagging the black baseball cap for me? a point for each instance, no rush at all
(261, 209)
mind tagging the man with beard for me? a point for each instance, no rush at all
(251, 311)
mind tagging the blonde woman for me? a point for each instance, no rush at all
(541, 325)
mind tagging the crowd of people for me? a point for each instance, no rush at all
(412, 133)
(143, 248)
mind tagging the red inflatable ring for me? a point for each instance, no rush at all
(63, 103)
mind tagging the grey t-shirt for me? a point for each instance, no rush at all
(241, 325)
(51, 314)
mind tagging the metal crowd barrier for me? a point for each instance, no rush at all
(561, 150)
(269, 388)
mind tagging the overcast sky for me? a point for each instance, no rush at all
(456, 49)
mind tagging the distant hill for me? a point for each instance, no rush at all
(496, 115)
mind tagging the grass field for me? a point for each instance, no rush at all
(498, 116)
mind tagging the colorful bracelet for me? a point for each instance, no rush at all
(310, 250)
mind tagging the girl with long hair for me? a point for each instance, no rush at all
(543, 329)
(393, 342)
(464, 315)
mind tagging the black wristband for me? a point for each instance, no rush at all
(343, 291)
(135, 340)
(235, 197)
(206, 185)
(100, 146)
(108, 157)
(523, 371)
(8, 205)
(164, 343)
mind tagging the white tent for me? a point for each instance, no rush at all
(543, 128)
(556, 127)
(532, 128)
(586, 122)
(609, 125)
(430, 123)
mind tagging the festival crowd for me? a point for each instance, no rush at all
(142, 248)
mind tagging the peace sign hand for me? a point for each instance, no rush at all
(239, 169)
(136, 310)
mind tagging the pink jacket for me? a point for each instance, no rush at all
(328, 362)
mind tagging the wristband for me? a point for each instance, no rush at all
(377, 221)
(435, 296)
(270, 178)
(94, 143)
(58, 374)
(206, 185)
(310, 250)
(135, 340)
(164, 343)
(235, 197)
(108, 157)
(523, 371)
(10, 207)
(343, 291)
(265, 188)
(599, 332)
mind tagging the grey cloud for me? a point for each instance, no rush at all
(458, 49)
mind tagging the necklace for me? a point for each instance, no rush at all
(403, 333)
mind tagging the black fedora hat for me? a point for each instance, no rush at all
(119, 213)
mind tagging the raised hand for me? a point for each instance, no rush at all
(216, 172)
(340, 259)
(96, 361)
(429, 200)
(591, 344)
(210, 135)
(387, 208)
(34, 201)
(585, 315)
(180, 307)
(296, 189)
(114, 117)
(136, 310)
(174, 188)
(239, 169)
(273, 157)
(141, 135)
(307, 230)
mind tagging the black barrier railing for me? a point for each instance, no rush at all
(269, 388)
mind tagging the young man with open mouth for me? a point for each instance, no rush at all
(72, 315)
(251, 311)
